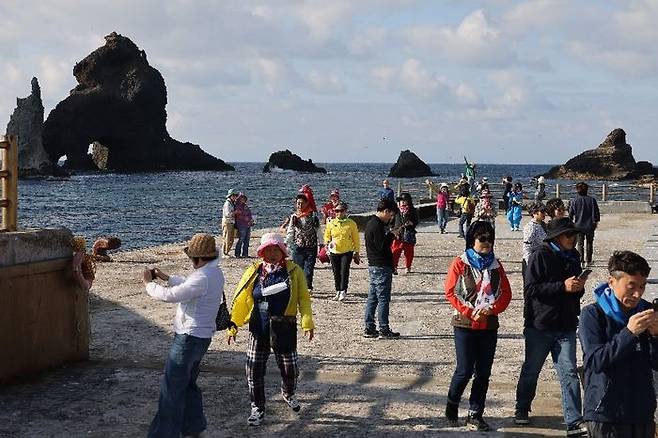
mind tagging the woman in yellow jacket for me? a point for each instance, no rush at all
(342, 239)
(268, 297)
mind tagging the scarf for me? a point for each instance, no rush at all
(479, 261)
(404, 210)
(269, 268)
(571, 255)
(606, 299)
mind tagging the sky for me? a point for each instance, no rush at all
(499, 81)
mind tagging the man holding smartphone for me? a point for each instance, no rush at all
(552, 292)
(618, 334)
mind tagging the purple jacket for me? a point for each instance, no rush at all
(243, 217)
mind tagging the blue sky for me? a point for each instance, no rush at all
(501, 81)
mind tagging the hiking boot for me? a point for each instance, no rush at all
(578, 429)
(521, 418)
(476, 422)
(388, 334)
(292, 402)
(452, 414)
(370, 333)
(341, 295)
(256, 416)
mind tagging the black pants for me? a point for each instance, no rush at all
(586, 240)
(475, 350)
(618, 430)
(340, 264)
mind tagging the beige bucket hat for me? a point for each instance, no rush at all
(201, 245)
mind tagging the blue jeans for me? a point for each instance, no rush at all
(562, 346)
(305, 258)
(379, 296)
(442, 218)
(180, 407)
(464, 219)
(242, 247)
(475, 350)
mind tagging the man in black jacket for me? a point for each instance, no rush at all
(620, 349)
(380, 269)
(584, 211)
(552, 295)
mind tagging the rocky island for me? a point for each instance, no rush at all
(286, 160)
(119, 104)
(410, 166)
(611, 160)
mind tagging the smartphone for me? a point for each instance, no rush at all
(655, 304)
(583, 275)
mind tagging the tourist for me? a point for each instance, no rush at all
(552, 293)
(228, 223)
(485, 210)
(555, 208)
(619, 337)
(328, 209)
(386, 192)
(482, 185)
(341, 237)
(584, 211)
(404, 226)
(442, 203)
(380, 270)
(244, 221)
(507, 183)
(540, 192)
(306, 190)
(515, 209)
(267, 298)
(534, 233)
(180, 407)
(303, 237)
(466, 209)
(478, 289)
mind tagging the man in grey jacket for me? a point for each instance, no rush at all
(584, 212)
(180, 407)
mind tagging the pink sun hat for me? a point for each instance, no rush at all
(272, 239)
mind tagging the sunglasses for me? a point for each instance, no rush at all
(485, 238)
(570, 233)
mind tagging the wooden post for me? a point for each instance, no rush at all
(604, 192)
(9, 176)
(652, 193)
(557, 190)
(429, 188)
(399, 187)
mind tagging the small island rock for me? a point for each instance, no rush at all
(410, 166)
(286, 160)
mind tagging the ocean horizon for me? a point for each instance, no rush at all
(150, 209)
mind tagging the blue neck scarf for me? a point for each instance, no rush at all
(606, 299)
(479, 261)
(571, 255)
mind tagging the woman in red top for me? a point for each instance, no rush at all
(478, 289)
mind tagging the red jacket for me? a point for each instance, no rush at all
(461, 286)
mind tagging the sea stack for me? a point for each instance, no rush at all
(26, 122)
(410, 166)
(611, 160)
(119, 103)
(286, 160)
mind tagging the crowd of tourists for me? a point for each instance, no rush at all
(618, 333)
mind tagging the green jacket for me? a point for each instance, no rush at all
(300, 298)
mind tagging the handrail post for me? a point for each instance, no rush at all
(557, 190)
(399, 188)
(9, 176)
(652, 193)
(604, 192)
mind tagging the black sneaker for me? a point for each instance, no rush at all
(370, 333)
(388, 334)
(452, 414)
(521, 418)
(578, 429)
(476, 422)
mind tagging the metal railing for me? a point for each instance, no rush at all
(9, 177)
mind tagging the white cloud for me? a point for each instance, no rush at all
(419, 81)
(383, 76)
(529, 16)
(328, 83)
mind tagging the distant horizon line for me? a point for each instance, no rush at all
(392, 163)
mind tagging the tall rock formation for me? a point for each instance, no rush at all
(120, 102)
(410, 166)
(611, 160)
(26, 122)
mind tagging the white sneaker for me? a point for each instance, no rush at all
(292, 402)
(226, 256)
(337, 297)
(256, 416)
(341, 295)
